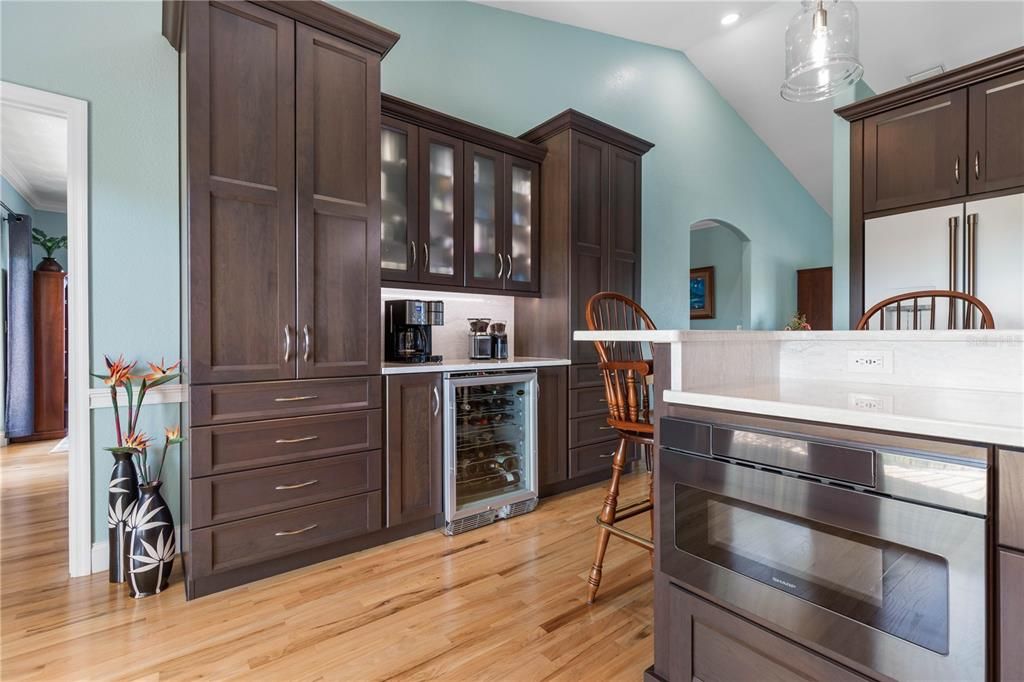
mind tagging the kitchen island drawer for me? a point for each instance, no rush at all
(227, 403)
(236, 447)
(587, 430)
(588, 402)
(241, 543)
(231, 497)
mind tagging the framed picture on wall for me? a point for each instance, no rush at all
(702, 293)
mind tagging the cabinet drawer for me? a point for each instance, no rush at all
(223, 449)
(592, 458)
(585, 376)
(230, 497)
(227, 403)
(587, 430)
(586, 402)
(1011, 616)
(242, 543)
(1011, 498)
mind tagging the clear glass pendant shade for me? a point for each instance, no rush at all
(822, 53)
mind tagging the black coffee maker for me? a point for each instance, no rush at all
(407, 330)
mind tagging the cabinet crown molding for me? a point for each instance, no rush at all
(576, 120)
(994, 66)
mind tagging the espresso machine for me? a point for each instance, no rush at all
(407, 326)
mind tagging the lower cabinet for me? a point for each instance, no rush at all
(552, 418)
(1011, 615)
(415, 447)
(712, 645)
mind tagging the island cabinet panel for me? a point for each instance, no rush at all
(996, 135)
(553, 440)
(415, 426)
(1011, 616)
(1011, 498)
(711, 644)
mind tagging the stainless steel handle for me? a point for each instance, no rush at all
(508, 273)
(293, 486)
(296, 532)
(977, 165)
(412, 250)
(437, 401)
(501, 266)
(954, 242)
(293, 398)
(307, 342)
(285, 441)
(287, 343)
(971, 283)
(605, 428)
(956, 169)
(610, 454)
(426, 257)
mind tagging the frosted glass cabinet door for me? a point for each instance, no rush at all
(441, 252)
(485, 181)
(399, 240)
(522, 234)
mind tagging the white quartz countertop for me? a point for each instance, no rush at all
(747, 336)
(994, 417)
(467, 365)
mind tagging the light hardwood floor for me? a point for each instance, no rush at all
(505, 602)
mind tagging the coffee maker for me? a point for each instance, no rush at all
(407, 330)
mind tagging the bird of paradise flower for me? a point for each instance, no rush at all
(141, 520)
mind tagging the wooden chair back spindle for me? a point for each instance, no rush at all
(974, 310)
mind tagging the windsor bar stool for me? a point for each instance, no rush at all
(627, 368)
(921, 306)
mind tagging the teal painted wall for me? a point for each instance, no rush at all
(112, 55)
(51, 222)
(509, 72)
(719, 247)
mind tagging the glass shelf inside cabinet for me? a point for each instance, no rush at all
(491, 445)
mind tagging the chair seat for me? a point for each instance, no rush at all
(641, 429)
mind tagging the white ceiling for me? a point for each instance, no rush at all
(33, 156)
(745, 61)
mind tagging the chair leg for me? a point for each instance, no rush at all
(611, 501)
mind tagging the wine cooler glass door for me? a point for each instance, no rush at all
(491, 443)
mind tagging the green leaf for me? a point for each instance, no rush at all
(160, 381)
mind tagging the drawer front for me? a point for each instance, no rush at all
(592, 458)
(231, 497)
(233, 545)
(587, 402)
(223, 449)
(1011, 498)
(585, 376)
(228, 403)
(587, 430)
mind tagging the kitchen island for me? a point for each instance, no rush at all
(837, 505)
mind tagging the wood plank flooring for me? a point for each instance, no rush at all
(507, 602)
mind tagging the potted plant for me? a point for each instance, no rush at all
(50, 245)
(140, 524)
(797, 324)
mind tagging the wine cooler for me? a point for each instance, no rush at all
(490, 436)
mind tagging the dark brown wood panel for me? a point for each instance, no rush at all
(230, 497)
(441, 224)
(235, 447)
(406, 175)
(241, 177)
(227, 403)
(483, 179)
(814, 296)
(522, 243)
(587, 430)
(241, 543)
(713, 645)
(552, 416)
(587, 402)
(338, 187)
(590, 230)
(1009, 599)
(996, 135)
(585, 376)
(49, 340)
(916, 153)
(592, 459)
(856, 222)
(623, 240)
(415, 449)
(1011, 498)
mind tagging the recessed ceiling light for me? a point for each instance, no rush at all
(730, 19)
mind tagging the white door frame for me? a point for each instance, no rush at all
(76, 113)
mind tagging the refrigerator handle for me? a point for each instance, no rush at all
(954, 229)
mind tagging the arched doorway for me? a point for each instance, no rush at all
(718, 244)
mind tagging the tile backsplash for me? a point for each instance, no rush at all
(450, 340)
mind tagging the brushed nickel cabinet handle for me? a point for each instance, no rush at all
(610, 454)
(287, 441)
(295, 532)
(293, 398)
(287, 343)
(293, 486)
(307, 339)
(956, 169)
(508, 273)
(437, 401)
(977, 165)
(501, 265)
(412, 250)
(426, 258)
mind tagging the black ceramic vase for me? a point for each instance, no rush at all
(48, 264)
(121, 497)
(151, 531)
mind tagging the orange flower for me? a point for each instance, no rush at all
(172, 432)
(137, 441)
(158, 370)
(119, 371)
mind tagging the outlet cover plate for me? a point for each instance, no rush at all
(869, 402)
(869, 361)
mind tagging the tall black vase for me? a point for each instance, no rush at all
(152, 543)
(122, 495)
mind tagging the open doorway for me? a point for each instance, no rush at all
(45, 341)
(719, 276)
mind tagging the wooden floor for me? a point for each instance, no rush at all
(505, 602)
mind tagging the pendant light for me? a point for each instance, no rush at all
(821, 51)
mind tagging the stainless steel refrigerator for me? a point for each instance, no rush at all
(975, 247)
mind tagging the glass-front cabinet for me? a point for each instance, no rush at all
(485, 184)
(441, 251)
(522, 233)
(399, 237)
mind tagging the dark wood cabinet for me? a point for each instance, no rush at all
(1011, 498)
(552, 441)
(49, 341)
(916, 153)
(441, 187)
(399, 229)
(521, 222)
(484, 180)
(814, 297)
(1011, 615)
(996, 134)
(415, 425)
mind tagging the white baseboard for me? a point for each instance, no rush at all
(101, 555)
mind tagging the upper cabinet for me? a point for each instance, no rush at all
(460, 203)
(996, 136)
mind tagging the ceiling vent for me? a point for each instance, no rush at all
(927, 73)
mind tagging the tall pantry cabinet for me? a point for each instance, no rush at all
(280, 138)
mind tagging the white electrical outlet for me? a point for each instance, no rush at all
(869, 361)
(870, 403)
